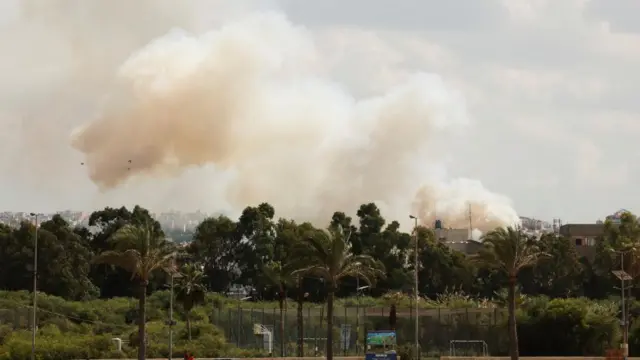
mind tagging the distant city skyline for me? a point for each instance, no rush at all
(189, 217)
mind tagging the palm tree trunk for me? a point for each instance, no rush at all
(300, 323)
(142, 347)
(281, 304)
(330, 324)
(188, 324)
(513, 331)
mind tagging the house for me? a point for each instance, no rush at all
(458, 239)
(583, 236)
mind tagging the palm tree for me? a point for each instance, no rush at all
(190, 290)
(302, 295)
(281, 276)
(140, 250)
(328, 256)
(509, 250)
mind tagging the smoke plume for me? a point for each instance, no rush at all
(247, 97)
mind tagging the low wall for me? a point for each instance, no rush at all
(441, 358)
(270, 358)
(529, 358)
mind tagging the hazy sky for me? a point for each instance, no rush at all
(550, 87)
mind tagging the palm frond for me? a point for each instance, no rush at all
(508, 249)
(314, 270)
(139, 249)
(190, 289)
(127, 260)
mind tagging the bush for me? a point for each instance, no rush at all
(207, 340)
(54, 347)
(68, 329)
(577, 327)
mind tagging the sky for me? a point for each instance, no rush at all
(549, 88)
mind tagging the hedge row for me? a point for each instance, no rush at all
(569, 327)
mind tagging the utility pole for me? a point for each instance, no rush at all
(359, 290)
(174, 274)
(623, 276)
(470, 223)
(415, 234)
(35, 290)
(171, 320)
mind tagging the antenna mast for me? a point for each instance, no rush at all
(470, 222)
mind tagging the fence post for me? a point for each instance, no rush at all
(308, 322)
(410, 316)
(315, 337)
(347, 341)
(358, 328)
(240, 327)
(364, 333)
(469, 330)
(252, 321)
(263, 324)
(286, 328)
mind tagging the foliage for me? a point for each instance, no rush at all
(265, 255)
(140, 249)
(74, 330)
(237, 251)
(577, 326)
(190, 291)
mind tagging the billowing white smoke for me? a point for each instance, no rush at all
(251, 99)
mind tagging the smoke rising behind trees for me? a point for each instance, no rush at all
(164, 107)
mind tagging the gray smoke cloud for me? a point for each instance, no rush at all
(165, 106)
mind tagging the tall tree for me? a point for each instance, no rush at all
(190, 290)
(328, 256)
(258, 232)
(63, 261)
(281, 275)
(140, 250)
(556, 276)
(105, 223)
(287, 241)
(216, 245)
(510, 250)
(442, 269)
(67, 264)
(621, 235)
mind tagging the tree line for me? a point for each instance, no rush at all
(236, 252)
(280, 258)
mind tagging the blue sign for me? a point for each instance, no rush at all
(381, 338)
(381, 345)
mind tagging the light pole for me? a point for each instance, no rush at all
(171, 321)
(358, 291)
(35, 290)
(623, 276)
(415, 234)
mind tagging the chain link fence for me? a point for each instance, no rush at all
(437, 328)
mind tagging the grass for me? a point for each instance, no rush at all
(453, 301)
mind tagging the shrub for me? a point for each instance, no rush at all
(577, 327)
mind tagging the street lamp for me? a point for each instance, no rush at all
(415, 234)
(358, 292)
(35, 289)
(171, 321)
(623, 276)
